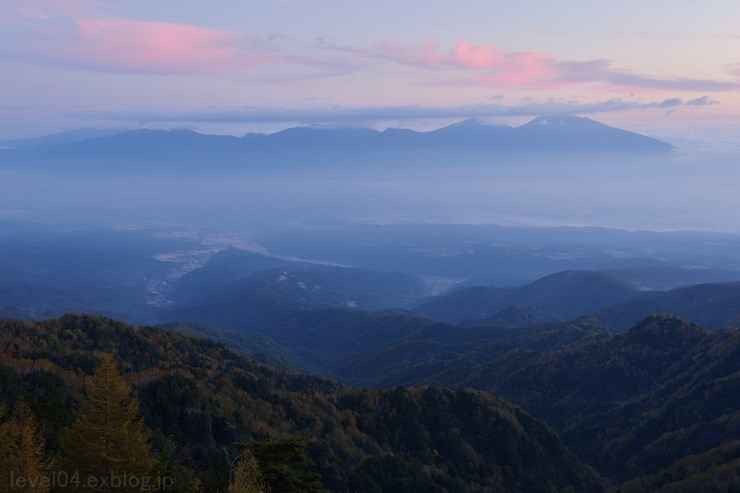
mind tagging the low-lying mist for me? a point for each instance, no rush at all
(672, 192)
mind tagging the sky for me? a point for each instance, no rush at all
(665, 68)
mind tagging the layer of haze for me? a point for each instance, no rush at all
(675, 192)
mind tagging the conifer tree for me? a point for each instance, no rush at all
(107, 447)
(24, 468)
(247, 477)
(287, 467)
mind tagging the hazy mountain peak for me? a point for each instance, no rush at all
(473, 122)
(665, 329)
(567, 132)
(554, 120)
(64, 137)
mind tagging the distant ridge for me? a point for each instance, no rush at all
(61, 138)
(564, 295)
(566, 132)
(543, 134)
(602, 295)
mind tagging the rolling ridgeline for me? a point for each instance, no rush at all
(653, 406)
(200, 400)
(147, 151)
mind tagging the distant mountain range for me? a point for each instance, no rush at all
(123, 275)
(711, 305)
(603, 295)
(66, 137)
(543, 134)
(563, 296)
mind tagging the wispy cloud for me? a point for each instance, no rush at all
(89, 35)
(726, 35)
(348, 116)
(508, 68)
(154, 47)
(628, 79)
(86, 34)
(702, 101)
(485, 65)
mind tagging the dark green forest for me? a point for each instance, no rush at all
(654, 409)
(203, 405)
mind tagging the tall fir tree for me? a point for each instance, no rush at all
(107, 447)
(23, 468)
(247, 477)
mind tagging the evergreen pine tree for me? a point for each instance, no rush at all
(24, 469)
(247, 477)
(107, 447)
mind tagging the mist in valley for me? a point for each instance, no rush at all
(154, 207)
(665, 192)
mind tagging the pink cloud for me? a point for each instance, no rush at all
(484, 65)
(500, 67)
(527, 68)
(84, 34)
(476, 56)
(155, 47)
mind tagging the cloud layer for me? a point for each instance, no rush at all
(347, 116)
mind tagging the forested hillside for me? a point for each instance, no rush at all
(203, 403)
(660, 402)
(648, 403)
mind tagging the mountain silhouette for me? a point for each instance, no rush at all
(149, 150)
